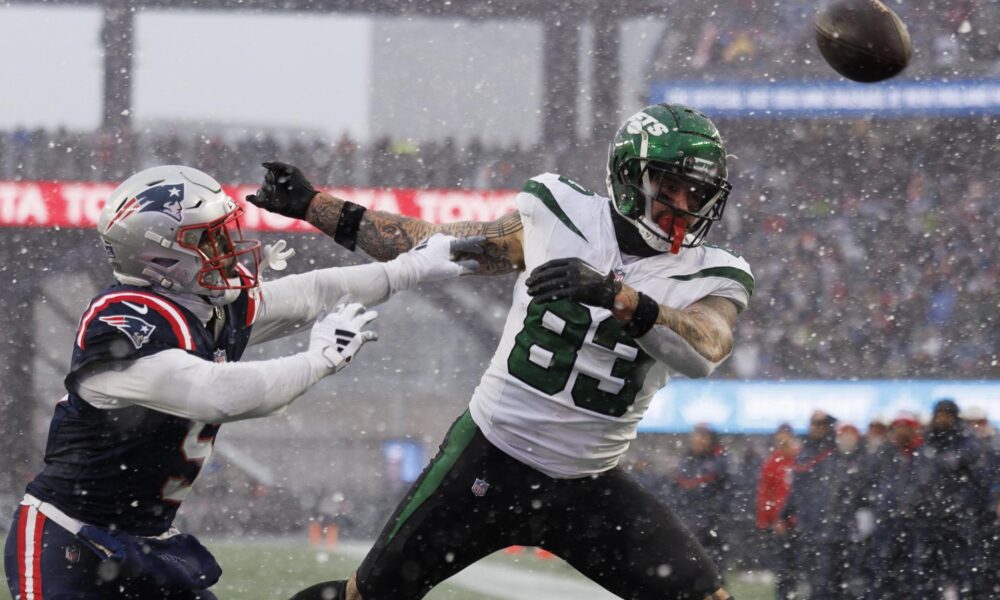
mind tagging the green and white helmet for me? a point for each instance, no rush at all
(668, 140)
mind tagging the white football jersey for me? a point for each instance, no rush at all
(567, 387)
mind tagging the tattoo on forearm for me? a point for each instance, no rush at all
(384, 236)
(502, 251)
(324, 213)
(694, 330)
(707, 325)
(506, 225)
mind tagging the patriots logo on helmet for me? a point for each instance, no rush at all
(165, 199)
(137, 330)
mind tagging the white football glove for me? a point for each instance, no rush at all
(434, 260)
(276, 257)
(340, 334)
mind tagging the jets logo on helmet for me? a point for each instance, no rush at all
(164, 199)
(642, 122)
(668, 142)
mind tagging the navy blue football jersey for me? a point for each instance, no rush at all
(131, 467)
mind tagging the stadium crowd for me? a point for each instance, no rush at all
(872, 241)
(907, 510)
(899, 509)
(752, 38)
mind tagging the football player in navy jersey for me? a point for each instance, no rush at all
(154, 374)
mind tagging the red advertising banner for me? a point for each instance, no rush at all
(78, 204)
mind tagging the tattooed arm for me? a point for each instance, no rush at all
(383, 236)
(707, 325)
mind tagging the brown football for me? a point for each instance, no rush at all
(862, 40)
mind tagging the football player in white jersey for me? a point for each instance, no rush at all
(615, 296)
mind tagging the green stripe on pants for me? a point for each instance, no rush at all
(459, 436)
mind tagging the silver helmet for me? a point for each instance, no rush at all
(172, 227)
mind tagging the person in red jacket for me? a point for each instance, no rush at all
(772, 492)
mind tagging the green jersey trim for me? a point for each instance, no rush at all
(739, 276)
(459, 436)
(540, 191)
(726, 250)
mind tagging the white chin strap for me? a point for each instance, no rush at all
(655, 237)
(651, 233)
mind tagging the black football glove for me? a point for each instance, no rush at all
(286, 191)
(573, 279)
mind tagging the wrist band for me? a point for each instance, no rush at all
(348, 224)
(643, 318)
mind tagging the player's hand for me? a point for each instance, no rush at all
(276, 256)
(286, 191)
(340, 334)
(438, 258)
(573, 279)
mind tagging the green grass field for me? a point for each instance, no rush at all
(276, 569)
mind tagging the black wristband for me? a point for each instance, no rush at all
(348, 224)
(643, 318)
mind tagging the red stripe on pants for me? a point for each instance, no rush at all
(22, 528)
(29, 532)
(39, 531)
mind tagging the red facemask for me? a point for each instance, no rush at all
(226, 255)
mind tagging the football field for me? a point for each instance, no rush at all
(274, 569)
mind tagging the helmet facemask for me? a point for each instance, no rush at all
(677, 226)
(229, 262)
(660, 149)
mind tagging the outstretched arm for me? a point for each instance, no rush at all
(384, 236)
(184, 385)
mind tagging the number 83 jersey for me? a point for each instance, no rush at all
(567, 387)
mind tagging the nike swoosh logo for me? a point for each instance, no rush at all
(136, 307)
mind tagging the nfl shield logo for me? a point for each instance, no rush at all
(72, 554)
(479, 487)
(219, 356)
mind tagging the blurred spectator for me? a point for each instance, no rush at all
(950, 486)
(701, 491)
(892, 500)
(742, 539)
(987, 540)
(844, 521)
(345, 168)
(876, 436)
(772, 492)
(809, 501)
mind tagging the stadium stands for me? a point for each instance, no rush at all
(873, 241)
